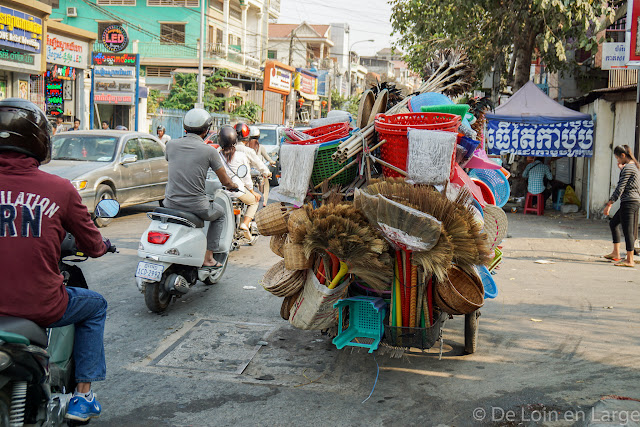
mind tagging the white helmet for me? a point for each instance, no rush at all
(254, 132)
(197, 121)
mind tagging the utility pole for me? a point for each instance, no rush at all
(292, 98)
(293, 34)
(200, 103)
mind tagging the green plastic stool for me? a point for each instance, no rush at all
(366, 326)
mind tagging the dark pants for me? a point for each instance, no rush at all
(626, 217)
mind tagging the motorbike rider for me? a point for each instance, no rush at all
(36, 211)
(243, 131)
(233, 159)
(261, 151)
(162, 134)
(189, 160)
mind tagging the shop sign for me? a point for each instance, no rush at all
(111, 59)
(20, 31)
(114, 38)
(632, 40)
(61, 73)
(117, 98)
(305, 83)
(614, 56)
(53, 97)
(115, 72)
(115, 86)
(278, 77)
(323, 83)
(63, 50)
(19, 57)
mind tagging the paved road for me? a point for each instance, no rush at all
(557, 338)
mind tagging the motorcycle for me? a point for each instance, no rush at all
(36, 365)
(173, 249)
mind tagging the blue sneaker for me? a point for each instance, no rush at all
(80, 409)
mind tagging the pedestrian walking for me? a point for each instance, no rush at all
(628, 191)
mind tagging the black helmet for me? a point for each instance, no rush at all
(161, 128)
(227, 137)
(24, 128)
(197, 121)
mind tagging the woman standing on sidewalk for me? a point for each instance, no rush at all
(628, 190)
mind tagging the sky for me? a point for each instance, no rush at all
(368, 19)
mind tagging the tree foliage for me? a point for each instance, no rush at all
(250, 110)
(346, 103)
(497, 33)
(184, 92)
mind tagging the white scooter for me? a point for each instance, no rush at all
(173, 249)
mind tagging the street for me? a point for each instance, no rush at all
(558, 337)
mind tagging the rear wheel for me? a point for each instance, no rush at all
(104, 192)
(217, 275)
(471, 332)
(5, 402)
(156, 296)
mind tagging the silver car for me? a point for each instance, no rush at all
(110, 164)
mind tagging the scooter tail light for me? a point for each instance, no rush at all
(158, 238)
(237, 211)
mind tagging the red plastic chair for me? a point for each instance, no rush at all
(528, 204)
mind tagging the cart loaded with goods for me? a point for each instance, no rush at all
(391, 223)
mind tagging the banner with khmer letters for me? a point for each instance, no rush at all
(564, 139)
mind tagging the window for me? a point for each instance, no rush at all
(235, 43)
(159, 71)
(272, 54)
(132, 147)
(175, 3)
(172, 33)
(116, 2)
(103, 25)
(219, 36)
(234, 13)
(151, 148)
(217, 5)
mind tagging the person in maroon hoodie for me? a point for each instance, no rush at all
(36, 211)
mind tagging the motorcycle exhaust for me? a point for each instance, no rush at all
(177, 283)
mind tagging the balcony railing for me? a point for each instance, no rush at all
(618, 78)
(187, 51)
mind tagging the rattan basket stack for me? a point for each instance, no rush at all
(461, 293)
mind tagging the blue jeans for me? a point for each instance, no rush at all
(87, 310)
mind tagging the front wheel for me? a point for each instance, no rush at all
(471, 332)
(217, 275)
(156, 297)
(104, 192)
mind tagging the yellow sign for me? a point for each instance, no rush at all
(23, 24)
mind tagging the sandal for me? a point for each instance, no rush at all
(218, 265)
(610, 257)
(624, 264)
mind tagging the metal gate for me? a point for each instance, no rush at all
(169, 118)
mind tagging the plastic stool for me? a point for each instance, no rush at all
(366, 315)
(528, 204)
(559, 200)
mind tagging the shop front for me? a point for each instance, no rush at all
(306, 83)
(67, 79)
(22, 31)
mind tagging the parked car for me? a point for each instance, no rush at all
(271, 136)
(108, 164)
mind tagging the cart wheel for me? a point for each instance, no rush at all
(471, 332)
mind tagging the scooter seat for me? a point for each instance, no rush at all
(28, 329)
(196, 220)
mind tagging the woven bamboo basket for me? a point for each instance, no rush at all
(294, 258)
(276, 243)
(282, 282)
(298, 225)
(462, 293)
(287, 304)
(272, 219)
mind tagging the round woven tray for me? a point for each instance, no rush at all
(272, 219)
(287, 304)
(282, 282)
(298, 225)
(294, 258)
(276, 243)
(462, 293)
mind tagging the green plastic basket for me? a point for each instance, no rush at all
(325, 166)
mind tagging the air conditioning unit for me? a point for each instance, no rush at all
(72, 12)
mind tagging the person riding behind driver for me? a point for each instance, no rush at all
(233, 160)
(36, 212)
(189, 160)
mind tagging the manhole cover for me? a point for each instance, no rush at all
(215, 346)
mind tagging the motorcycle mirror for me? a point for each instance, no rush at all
(242, 171)
(107, 208)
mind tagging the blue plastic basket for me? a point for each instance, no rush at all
(496, 181)
(490, 288)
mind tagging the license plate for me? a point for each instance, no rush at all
(147, 270)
